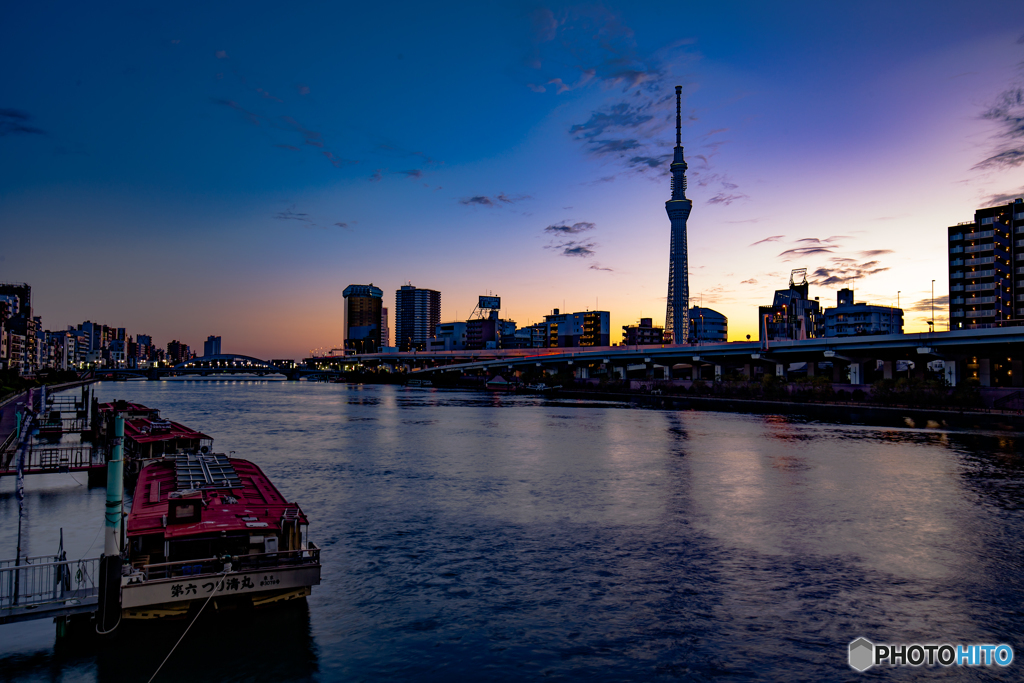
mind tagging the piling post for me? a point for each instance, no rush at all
(109, 614)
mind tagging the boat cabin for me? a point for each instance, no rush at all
(208, 507)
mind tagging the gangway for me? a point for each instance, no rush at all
(45, 587)
(41, 459)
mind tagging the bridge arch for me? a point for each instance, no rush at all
(232, 361)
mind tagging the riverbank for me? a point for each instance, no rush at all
(888, 416)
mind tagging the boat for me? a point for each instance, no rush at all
(206, 527)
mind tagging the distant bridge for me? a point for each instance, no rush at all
(204, 366)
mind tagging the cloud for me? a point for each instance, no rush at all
(596, 266)
(799, 252)
(773, 238)
(751, 281)
(1007, 112)
(749, 220)
(875, 252)
(1006, 198)
(726, 198)
(574, 229)
(479, 199)
(844, 271)
(303, 89)
(413, 174)
(291, 147)
(496, 200)
(377, 175)
(925, 305)
(291, 215)
(16, 122)
(249, 116)
(577, 249)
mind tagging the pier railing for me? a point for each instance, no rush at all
(48, 459)
(239, 563)
(35, 583)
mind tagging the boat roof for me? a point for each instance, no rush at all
(236, 496)
(127, 407)
(146, 430)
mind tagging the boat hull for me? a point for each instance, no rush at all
(160, 598)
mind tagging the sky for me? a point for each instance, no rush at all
(188, 169)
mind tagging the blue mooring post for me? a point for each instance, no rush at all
(109, 614)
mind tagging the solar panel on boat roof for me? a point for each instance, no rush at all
(211, 470)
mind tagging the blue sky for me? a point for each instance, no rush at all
(228, 169)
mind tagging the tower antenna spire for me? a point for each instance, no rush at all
(679, 116)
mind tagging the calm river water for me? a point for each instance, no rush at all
(475, 537)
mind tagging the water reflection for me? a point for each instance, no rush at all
(488, 536)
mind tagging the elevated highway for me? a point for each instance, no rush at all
(992, 356)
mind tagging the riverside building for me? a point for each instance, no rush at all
(986, 268)
(417, 314)
(363, 318)
(849, 319)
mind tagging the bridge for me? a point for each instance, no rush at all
(206, 366)
(993, 357)
(47, 587)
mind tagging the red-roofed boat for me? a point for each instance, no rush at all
(208, 526)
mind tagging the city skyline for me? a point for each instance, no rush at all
(225, 173)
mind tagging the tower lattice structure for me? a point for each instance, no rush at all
(677, 318)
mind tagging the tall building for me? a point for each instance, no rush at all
(986, 268)
(211, 347)
(19, 327)
(177, 352)
(678, 209)
(385, 329)
(363, 318)
(417, 315)
(849, 319)
(793, 314)
(707, 325)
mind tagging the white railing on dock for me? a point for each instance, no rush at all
(34, 583)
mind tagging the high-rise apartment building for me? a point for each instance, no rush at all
(678, 208)
(385, 329)
(211, 347)
(363, 318)
(21, 351)
(177, 352)
(417, 315)
(986, 268)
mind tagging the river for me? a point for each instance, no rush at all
(470, 536)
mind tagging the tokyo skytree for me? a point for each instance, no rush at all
(677, 317)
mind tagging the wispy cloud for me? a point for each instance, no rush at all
(844, 271)
(16, 122)
(292, 215)
(306, 220)
(773, 238)
(596, 266)
(575, 248)
(414, 173)
(497, 200)
(574, 229)
(751, 281)
(925, 305)
(1007, 113)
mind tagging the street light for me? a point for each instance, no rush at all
(932, 321)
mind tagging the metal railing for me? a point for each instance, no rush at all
(36, 583)
(56, 459)
(239, 563)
